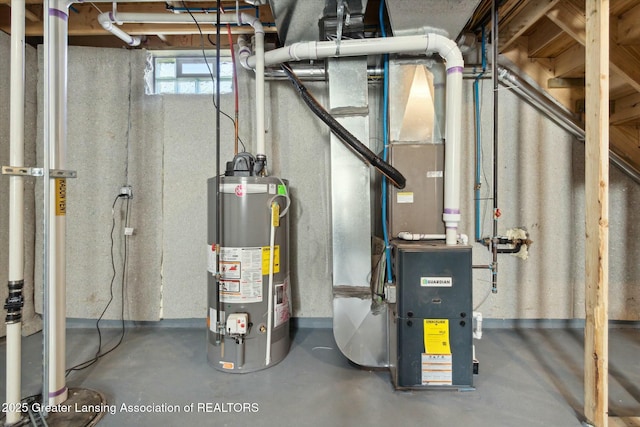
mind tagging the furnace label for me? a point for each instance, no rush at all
(436, 336)
(437, 369)
(436, 282)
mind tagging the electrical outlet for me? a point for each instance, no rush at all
(126, 191)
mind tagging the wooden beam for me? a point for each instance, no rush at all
(569, 82)
(628, 28)
(626, 109)
(540, 70)
(545, 34)
(597, 213)
(85, 23)
(572, 20)
(625, 141)
(570, 63)
(624, 421)
(31, 16)
(529, 15)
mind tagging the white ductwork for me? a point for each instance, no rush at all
(108, 19)
(426, 44)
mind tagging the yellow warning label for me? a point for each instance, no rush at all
(275, 214)
(436, 336)
(61, 196)
(265, 259)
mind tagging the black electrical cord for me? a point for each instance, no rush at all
(213, 79)
(396, 178)
(99, 353)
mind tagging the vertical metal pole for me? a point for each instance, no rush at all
(218, 194)
(55, 134)
(16, 217)
(496, 211)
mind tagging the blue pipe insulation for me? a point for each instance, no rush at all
(478, 183)
(385, 139)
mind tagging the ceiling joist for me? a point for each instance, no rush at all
(83, 21)
(529, 15)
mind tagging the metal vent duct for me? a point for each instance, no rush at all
(298, 21)
(413, 16)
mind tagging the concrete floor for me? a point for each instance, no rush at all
(528, 377)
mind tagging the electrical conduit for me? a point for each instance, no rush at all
(385, 142)
(478, 183)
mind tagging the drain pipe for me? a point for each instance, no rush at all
(426, 44)
(55, 135)
(14, 301)
(108, 19)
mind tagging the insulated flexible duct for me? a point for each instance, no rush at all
(345, 136)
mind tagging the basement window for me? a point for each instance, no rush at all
(188, 74)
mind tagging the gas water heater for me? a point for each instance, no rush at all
(249, 297)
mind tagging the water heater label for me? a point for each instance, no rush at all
(266, 257)
(241, 280)
(211, 259)
(434, 174)
(282, 309)
(436, 282)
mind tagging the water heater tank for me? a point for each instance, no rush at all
(248, 322)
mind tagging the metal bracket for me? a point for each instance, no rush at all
(27, 171)
(61, 173)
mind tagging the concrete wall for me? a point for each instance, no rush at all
(164, 147)
(31, 322)
(541, 189)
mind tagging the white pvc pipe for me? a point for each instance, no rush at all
(16, 208)
(452, 153)
(55, 136)
(405, 235)
(108, 19)
(477, 332)
(427, 44)
(272, 240)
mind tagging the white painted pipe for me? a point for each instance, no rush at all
(405, 235)
(16, 208)
(452, 153)
(55, 136)
(427, 44)
(272, 243)
(108, 19)
(477, 331)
